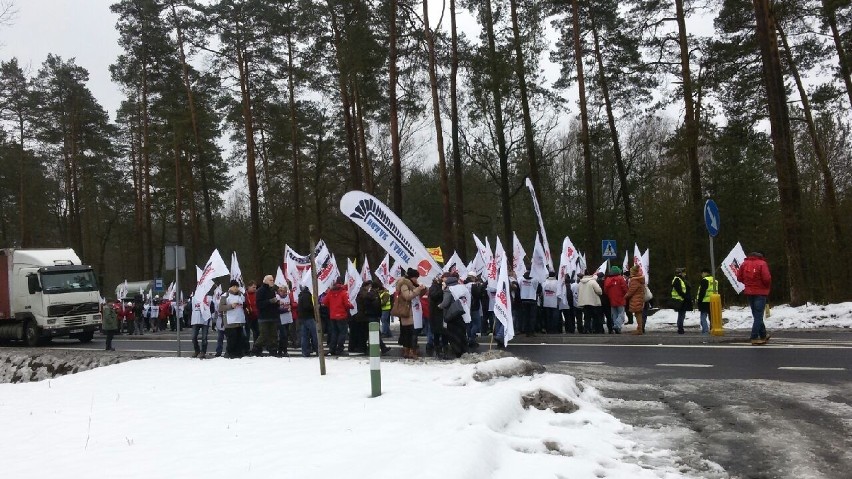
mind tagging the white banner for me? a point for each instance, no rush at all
(731, 265)
(390, 232)
(280, 280)
(462, 294)
(548, 258)
(493, 270)
(296, 265)
(567, 261)
(503, 303)
(602, 267)
(327, 271)
(383, 272)
(646, 266)
(518, 255)
(477, 265)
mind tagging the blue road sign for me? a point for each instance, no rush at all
(711, 217)
(608, 249)
(158, 284)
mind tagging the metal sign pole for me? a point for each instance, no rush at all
(177, 288)
(315, 284)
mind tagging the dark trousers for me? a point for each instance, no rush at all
(358, 335)
(552, 321)
(593, 319)
(308, 333)
(568, 319)
(109, 334)
(578, 315)
(337, 335)
(529, 313)
(607, 312)
(268, 338)
(456, 336)
(251, 328)
(196, 329)
(283, 338)
(234, 347)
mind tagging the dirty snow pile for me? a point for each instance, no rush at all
(267, 417)
(809, 316)
(26, 367)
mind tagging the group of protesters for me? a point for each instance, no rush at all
(271, 318)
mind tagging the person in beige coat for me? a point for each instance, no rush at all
(635, 297)
(407, 290)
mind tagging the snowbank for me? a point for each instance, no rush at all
(809, 316)
(172, 417)
(29, 366)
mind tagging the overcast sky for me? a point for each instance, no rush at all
(81, 29)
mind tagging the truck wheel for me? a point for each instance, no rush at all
(31, 333)
(86, 337)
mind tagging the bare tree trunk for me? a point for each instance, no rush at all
(831, 19)
(294, 144)
(354, 165)
(22, 203)
(584, 131)
(691, 125)
(146, 177)
(251, 168)
(396, 166)
(613, 132)
(783, 152)
(448, 238)
(362, 142)
(193, 211)
(529, 134)
(461, 233)
(498, 126)
(837, 242)
(136, 161)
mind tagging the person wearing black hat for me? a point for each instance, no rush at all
(681, 297)
(407, 291)
(232, 306)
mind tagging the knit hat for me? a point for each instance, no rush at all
(234, 283)
(411, 273)
(615, 270)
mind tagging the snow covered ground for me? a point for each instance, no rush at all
(809, 316)
(267, 417)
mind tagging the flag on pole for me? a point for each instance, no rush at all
(455, 265)
(567, 261)
(503, 303)
(544, 242)
(279, 277)
(518, 255)
(626, 265)
(236, 273)
(383, 272)
(365, 270)
(493, 270)
(646, 266)
(602, 267)
(538, 265)
(731, 266)
(476, 265)
(214, 268)
(436, 254)
(353, 283)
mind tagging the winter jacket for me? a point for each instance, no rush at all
(369, 303)
(305, 307)
(267, 303)
(615, 287)
(754, 274)
(635, 296)
(232, 305)
(337, 301)
(110, 319)
(590, 291)
(251, 308)
(436, 296)
(407, 292)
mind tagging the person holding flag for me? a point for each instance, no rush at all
(754, 274)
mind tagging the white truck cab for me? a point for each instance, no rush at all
(46, 293)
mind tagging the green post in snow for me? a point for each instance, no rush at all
(375, 361)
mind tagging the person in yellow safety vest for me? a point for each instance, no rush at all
(385, 299)
(681, 297)
(706, 287)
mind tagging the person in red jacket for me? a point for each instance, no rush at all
(338, 304)
(250, 308)
(615, 288)
(754, 274)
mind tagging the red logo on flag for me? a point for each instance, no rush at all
(424, 267)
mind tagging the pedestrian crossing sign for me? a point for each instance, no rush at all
(608, 249)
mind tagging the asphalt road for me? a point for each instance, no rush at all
(724, 408)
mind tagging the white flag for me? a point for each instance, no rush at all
(538, 265)
(518, 255)
(731, 266)
(353, 283)
(383, 272)
(365, 271)
(461, 293)
(602, 267)
(477, 265)
(646, 266)
(637, 260)
(455, 265)
(236, 273)
(567, 261)
(625, 267)
(484, 252)
(493, 271)
(295, 264)
(503, 303)
(279, 277)
(214, 268)
(544, 243)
